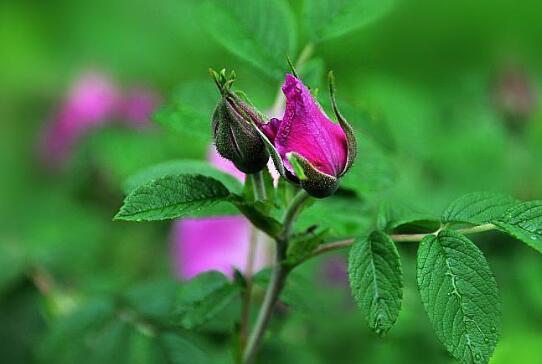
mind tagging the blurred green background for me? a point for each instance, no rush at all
(449, 91)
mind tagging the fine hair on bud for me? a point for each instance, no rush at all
(235, 135)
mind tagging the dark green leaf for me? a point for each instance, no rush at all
(524, 222)
(171, 197)
(375, 276)
(328, 19)
(478, 208)
(261, 32)
(460, 295)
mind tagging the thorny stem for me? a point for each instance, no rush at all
(398, 238)
(280, 272)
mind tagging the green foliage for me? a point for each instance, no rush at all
(392, 216)
(327, 19)
(95, 331)
(376, 278)
(203, 298)
(301, 246)
(188, 112)
(171, 197)
(178, 167)
(524, 221)
(478, 208)
(261, 32)
(460, 295)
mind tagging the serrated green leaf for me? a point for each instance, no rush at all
(524, 222)
(202, 298)
(375, 274)
(328, 19)
(189, 110)
(478, 208)
(172, 197)
(261, 32)
(177, 167)
(460, 295)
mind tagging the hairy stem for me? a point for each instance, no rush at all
(398, 238)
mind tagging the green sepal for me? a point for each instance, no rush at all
(351, 141)
(316, 183)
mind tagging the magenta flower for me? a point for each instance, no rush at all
(322, 150)
(218, 243)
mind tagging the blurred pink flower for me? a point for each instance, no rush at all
(137, 107)
(93, 100)
(219, 243)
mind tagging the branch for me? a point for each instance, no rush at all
(397, 238)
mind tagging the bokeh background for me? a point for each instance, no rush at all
(449, 91)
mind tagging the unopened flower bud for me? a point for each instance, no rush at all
(235, 134)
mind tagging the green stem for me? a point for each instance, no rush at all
(293, 210)
(266, 311)
(259, 186)
(402, 238)
(279, 275)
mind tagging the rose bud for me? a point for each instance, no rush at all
(235, 133)
(314, 151)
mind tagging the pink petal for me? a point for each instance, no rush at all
(307, 130)
(214, 243)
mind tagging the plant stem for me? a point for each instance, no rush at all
(397, 238)
(274, 288)
(280, 272)
(259, 186)
(292, 210)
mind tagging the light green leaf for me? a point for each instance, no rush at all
(171, 197)
(328, 19)
(189, 110)
(261, 32)
(202, 298)
(524, 222)
(478, 208)
(460, 295)
(177, 167)
(375, 276)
